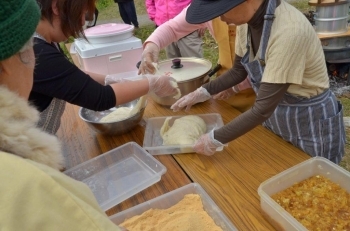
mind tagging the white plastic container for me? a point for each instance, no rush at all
(108, 33)
(118, 174)
(273, 212)
(153, 141)
(109, 58)
(171, 198)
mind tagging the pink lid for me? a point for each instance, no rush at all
(108, 29)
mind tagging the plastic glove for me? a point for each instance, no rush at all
(206, 144)
(162, 85)
(114, 79)
(199, 95)
(149, 56)
(225, 94)
(245, 84)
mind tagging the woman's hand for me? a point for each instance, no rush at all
(226, 94)
(199, 95)
(149, 56)
(162, 85)
(207, 144)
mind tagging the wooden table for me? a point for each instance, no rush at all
(230, 177)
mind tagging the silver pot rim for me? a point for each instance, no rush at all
(194, 60)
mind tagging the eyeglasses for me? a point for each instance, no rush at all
(92, 22)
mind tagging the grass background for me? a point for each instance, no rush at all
(108, 10)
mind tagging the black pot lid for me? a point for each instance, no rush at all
(184, 69)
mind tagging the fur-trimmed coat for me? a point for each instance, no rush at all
(33, 195)
(19, 134)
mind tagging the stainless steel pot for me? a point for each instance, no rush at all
(190, 73)
(336, 49)
(331, 17)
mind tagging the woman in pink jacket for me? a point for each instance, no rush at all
(161, 11)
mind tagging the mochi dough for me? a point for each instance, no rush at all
(173, 83)
(119, 114)
(185, 130)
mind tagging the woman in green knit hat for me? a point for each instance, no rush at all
(33, 194)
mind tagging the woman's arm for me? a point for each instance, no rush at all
(56, 77)
(175, 29)
(230, 78)
(97, 77)
(267, 100)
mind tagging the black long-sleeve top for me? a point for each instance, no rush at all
(56, 77)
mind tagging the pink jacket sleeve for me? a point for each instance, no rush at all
(175, 29)
(151, 9)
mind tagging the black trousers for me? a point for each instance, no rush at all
(128, 12)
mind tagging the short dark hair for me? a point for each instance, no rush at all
(70, 12)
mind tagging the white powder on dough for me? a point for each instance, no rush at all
(185, 130)
(117, 115)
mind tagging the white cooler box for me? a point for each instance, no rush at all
(109, 58)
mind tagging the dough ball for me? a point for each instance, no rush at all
(117, 115)
(185, 130)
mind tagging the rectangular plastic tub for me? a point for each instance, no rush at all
(118, 174)
(153, 141)
(274, 213)
(171, 198)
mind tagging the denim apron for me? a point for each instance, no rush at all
(314, 125)
(50, 118)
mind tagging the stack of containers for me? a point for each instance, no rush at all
(111, 48)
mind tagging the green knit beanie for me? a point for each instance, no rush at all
(18, 21)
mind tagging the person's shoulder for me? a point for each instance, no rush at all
(290, 22)
(44, 47)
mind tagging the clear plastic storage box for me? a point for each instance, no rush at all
(118, 174)
(274, 213)
(153, 141)
(171, 198)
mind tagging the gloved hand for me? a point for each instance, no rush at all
(162, 85)
(206, 144)
(199, 95)
(149, 56)
(245, 84)
(225, 94)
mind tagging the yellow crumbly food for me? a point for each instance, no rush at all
(186, 215)
(317, 203)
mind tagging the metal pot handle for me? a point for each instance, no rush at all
(212, 72)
